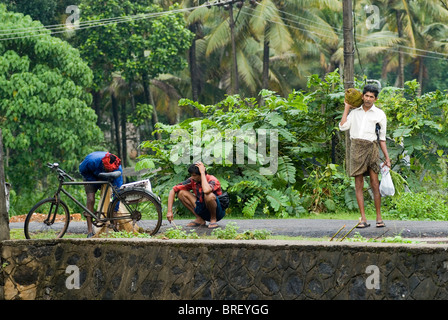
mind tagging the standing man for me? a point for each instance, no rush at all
(364, 150)
(203, 202)
(94, 164)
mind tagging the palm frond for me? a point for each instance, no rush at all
(218, 38)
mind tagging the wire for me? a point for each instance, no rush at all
(62, 28)
(340, 33)
(361, 45)
(293, 27)
(360, 37)
(445, 56)
(302, 18)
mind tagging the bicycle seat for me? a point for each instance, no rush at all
(109, 176)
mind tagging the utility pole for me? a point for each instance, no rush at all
(349, 47)
(235, 82)
(349, 65)
(228, 5)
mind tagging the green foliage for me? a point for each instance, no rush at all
(127, 55)
(417, 126)
(180, 233)
(230, 232)
(256, 234)
(418, 206)
(44, 105)
(399, 183)
(43, 10)
(48, 12)
(254, 190)
(20, 205)
(396, 239)
(326, 187)
(22, 202)
(350, 199)
(308, 176)
(124, 235)
(142, 113)
(151, 46)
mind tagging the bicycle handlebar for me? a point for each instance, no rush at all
(52, 165)
(61, 173)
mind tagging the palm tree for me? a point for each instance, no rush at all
(266, 23)
(120, 92)
(430, 33)
(279, 44)
(325, 31)
(274, 48)
(372, 45)
(275, 35)
(408, 20)
(195, 21)
(396, 20)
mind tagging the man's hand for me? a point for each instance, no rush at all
(169, 212)
(170, 216)
(201, 167)
(387, 163)
(204, 183)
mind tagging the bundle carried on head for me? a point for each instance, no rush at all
(353, 97)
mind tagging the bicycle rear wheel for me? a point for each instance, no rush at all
(47, 220)
(141, 205)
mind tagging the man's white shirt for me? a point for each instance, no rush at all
(362, 124)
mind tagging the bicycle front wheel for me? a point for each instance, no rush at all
(137, 205)
(48, 219)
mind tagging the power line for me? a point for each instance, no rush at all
(89, 24)
(359, 37)
(62, 28)
(21, 33)
(361, 45)
(445, 56)
(340, 33)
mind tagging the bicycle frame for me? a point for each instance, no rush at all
(92, 214)
(50, 217)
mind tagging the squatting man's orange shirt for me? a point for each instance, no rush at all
(190, 184)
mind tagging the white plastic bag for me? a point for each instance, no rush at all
(386, 185)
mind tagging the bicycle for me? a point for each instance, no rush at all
(50, 217)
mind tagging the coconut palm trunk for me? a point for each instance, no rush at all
(235, 86)
(400, 78)
(349, 62)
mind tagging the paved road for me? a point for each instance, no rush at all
(309, 227)
(328, 227)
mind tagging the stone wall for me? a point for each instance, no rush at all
(203, 269)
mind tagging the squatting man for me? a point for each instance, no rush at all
(203, 202)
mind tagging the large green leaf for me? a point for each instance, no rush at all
(350, 199)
